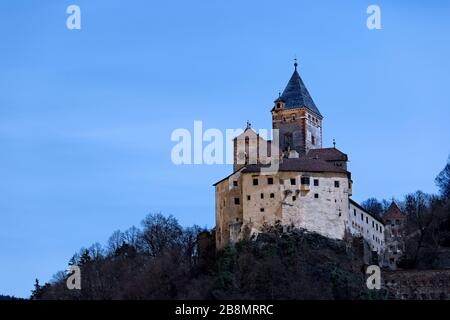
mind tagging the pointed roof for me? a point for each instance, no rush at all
(393, 212)
(295, 95)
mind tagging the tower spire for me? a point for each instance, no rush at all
(295, 95)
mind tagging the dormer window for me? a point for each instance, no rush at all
(279, 104)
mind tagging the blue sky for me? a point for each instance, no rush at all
(86, 116)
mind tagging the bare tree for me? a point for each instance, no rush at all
(115, 241)
(133, 237)
(161, 233)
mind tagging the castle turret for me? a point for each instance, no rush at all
(297, 118)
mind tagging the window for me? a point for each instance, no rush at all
(248, 197)
(373, 225)
(262, 195)
(235, 183)
(272, 195)
(354, 212)
(288, 140)
(237, 201)
(367, 220)
(293, 181)
(362, 217)
(316, 182)
(313, 140)
(262, 209)
(305, 181)
(255, 182)
(294, 198)
(316, 195)
(336, 184)
(269, 180)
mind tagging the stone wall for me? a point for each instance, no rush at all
(301, 125)
(228, 212)
(321, 208)
(417, 284)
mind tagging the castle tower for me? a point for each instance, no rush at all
(297, 118)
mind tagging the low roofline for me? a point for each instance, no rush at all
(356, 204)
(244, 168)
(215, 184)
(344, 172)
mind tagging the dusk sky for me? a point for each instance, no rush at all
(86, 115)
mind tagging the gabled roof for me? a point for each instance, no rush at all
(295, 95)
(393, 212)
(248, 132)
(301, 164)
(215, 184)
(327, 154)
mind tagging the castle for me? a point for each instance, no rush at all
(310, 188)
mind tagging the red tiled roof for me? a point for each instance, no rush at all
(393, 212)
(302, 164)
(327, 154)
